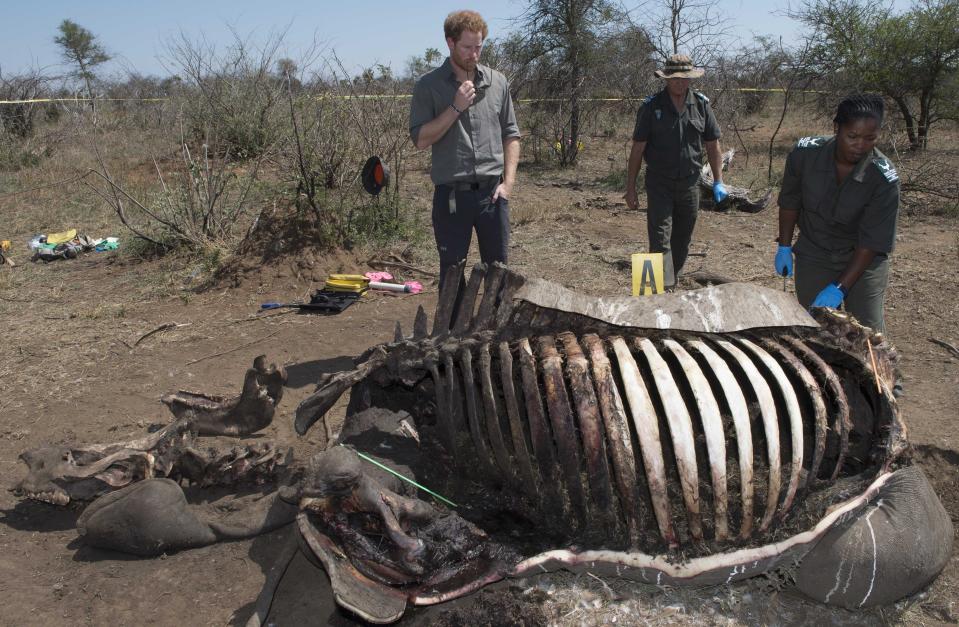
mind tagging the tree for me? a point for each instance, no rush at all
(562, 37)
(418, 66)
(81, 48)
(694, 27)
(911, 58)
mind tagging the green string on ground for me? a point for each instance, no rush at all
(406, 479)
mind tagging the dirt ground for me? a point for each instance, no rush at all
(72, 372)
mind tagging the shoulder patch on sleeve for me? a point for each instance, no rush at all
(811, 142)
(888, 170)
(647, 100)
(701, 97)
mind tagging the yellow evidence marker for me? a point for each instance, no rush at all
(647, 274)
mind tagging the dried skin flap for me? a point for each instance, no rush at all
(719, 309)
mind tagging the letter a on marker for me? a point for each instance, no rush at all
(647, 273)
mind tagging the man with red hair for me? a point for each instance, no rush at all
(463, 111)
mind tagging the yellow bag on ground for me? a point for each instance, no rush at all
(59, 238)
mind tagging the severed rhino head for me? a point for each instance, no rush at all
(63, 474)
(682, 439)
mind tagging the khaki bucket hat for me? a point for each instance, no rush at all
(679, 66)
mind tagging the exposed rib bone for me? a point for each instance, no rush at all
(465, 314)
(477, 429)
(420, 324)
(447, 299)
(539, 431)
(795, 419)
(681, 432)
(454, 404)
(317, 404)
(484, 315)
(398, 332)
(713, 430)
(815, 396)
(511, 283)
(617, 434)
(444, 419)
(744, 438)
(590, 429)
(492, 416)
(647, 428)
(561, 418)
(520, 450)
(767, 410)
(840, 424)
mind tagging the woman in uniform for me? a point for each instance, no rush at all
(844, 195)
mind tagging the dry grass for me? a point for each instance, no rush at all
(65, 324)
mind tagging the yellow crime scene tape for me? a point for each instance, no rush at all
(381, 96)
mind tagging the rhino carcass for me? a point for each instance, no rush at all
(681, 439)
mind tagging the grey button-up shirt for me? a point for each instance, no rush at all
(472, 148)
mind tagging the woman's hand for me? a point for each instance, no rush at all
(784, 260)
(831, 296)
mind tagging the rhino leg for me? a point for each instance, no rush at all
(153, 517)
(147, 518)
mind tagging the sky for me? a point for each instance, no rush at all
(362, 35)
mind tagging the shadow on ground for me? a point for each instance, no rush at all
(308, 372)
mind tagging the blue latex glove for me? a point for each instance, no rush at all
(719, 192)
(784, 260)
(831, 296)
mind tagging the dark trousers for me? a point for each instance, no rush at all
(866, 298)
(457, 211)
(672, 207)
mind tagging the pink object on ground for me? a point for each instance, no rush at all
(415, 286)
(379, 276)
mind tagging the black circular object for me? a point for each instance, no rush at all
(376, 175)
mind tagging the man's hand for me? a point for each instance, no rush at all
(503, 190)
(465, 96)
(784, 260)
(632, 200)
(831, 296)
(719, 192)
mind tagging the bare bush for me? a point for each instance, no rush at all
(19, 118)
(233, 96)
(336, 125)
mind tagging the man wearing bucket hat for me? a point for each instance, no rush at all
(672, 128)
(463, 111)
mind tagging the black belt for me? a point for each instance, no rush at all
(462, 186)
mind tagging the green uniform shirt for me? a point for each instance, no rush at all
(834, 218)
(472, 149)
(674, 140)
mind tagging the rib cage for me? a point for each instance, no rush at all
(627, 436)
(638, 437)
(611, 416)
